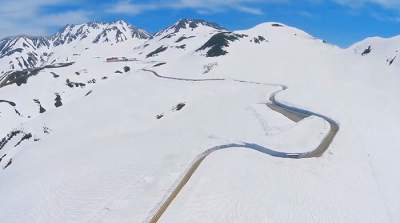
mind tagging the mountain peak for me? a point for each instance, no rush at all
(117, 31)
(13, 44)
(194, 23)
(120, 22)
(191, 24)
(275, 30)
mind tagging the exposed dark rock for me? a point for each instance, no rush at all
(157, 51)
(366, 51)
(55, 75)
(58, 102)
(74, 84)
(8, 164)
(183, 38)
(11, 135)
(277, 25)
(8, 102)
(2, 157)
(69, 83)
(41, 109)
(168, 36)
(118, 72)
(208, 67)
(159, 64)
(180, 106)
(159, 116)
(11, 52)
(259, 39)
(8, 137)
(46, 130)
(24, 137)
(127, 68)
(216, 44)
(17, 112)
(89, 92)
(181, 46)
(392, 60)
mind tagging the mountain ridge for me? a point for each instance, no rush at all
(25, 51)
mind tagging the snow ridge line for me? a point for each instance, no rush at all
(286, 110)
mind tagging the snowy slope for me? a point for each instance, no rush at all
(379, 50)
(356, 177)
(146, 168)
(123, 137)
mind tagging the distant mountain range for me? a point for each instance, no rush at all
(23, 52)
(29, 52)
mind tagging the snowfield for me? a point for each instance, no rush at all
(130, 157)
(183, 134)
(274, 190)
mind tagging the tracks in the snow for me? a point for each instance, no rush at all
(293, 113)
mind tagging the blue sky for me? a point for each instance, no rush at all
(341, 22)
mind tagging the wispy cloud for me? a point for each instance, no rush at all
(201, 6)
(305, 14)
(392, 4)
(27, 16)
(386, 18)
(390, 13)
(132, 7)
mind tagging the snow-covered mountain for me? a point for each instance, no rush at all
(115, 32)
(179, 39)
(198, 123)
(24, 52)
(381, 50)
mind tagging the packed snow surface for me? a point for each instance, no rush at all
(114, 139)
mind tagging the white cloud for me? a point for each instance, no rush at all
(393, 4)
(201, 6)
(61, 19)
(131, 7)
(391, 13)
(386, 18)
(305, 14)
(27, 17)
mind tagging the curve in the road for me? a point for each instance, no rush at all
(293, 113)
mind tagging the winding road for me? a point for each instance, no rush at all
(292, 113)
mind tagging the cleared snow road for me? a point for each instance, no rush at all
(297, 114)
(293, 113)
